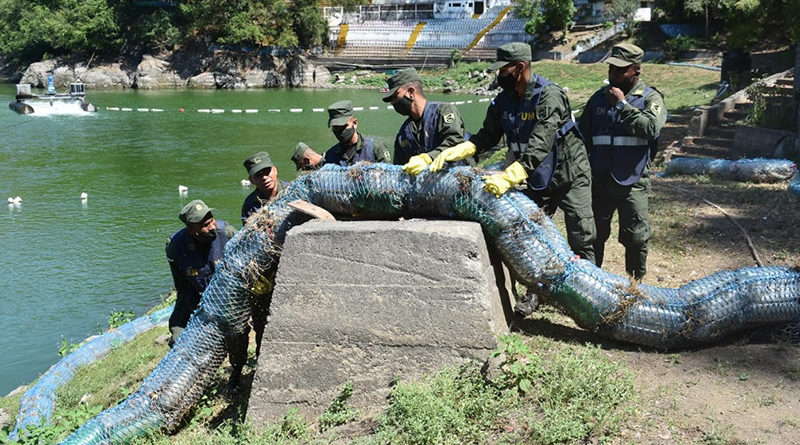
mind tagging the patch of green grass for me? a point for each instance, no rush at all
(455, 406)
(576, 391)
(115, 376)
(682, 87)
(62, 423)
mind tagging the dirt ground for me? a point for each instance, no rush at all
(744, 390)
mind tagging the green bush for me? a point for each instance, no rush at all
(675, 46)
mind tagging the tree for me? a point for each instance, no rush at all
(531, 10)
(558, 15)
(309, 25)
(622, 11)
(708, 7)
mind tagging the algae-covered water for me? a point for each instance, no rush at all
(67, 264)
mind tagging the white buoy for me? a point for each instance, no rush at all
(245, 183)
(10, 200)
(84, 195)
(17, 200)
(183, 190)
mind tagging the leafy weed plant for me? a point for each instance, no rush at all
(573, 392)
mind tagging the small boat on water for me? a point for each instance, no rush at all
(26, 102)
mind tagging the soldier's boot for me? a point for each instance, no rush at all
(527, 305)
(234, 381)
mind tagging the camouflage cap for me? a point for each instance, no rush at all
(339, 113)
(194, 212)
(257, 162)
(510, 53)
(398, 79)
(624, 55)
(299, 149)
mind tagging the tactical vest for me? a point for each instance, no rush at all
(615, 149)
(336, 156)
(406, 141)
(518, 124)
(196, 267)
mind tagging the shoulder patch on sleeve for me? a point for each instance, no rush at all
(449, 118)
(655, 107)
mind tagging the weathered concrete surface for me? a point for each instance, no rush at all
(367, 301)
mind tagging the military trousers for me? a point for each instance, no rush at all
(571, 190)
(631, 202)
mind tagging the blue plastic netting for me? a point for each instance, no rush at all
(38, 402)
(746, 170)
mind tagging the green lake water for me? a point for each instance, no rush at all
(66, 265)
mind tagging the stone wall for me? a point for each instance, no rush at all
(366, 302)
(219, 69)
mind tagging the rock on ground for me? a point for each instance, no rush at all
(366, 302)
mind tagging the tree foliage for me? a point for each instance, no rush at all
(531, 10)
(32, 29)
(558, 15)
(622, 11)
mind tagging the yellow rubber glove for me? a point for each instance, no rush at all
(455, 153)
(499, 183)
(417, 163)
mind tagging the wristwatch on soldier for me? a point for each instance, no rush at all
(621, 104)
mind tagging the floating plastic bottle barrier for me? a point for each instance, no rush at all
(37, 404)
(751, 170)
(610, 305)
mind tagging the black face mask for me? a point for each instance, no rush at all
(507, 82)
(209, 237)
(344, 136)
(403, 106)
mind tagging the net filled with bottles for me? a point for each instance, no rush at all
(610, 305)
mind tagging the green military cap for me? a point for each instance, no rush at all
(194, 212)
(299, 149)
(398, 79)
(339, 113)
(624, 55)
(510, 53)
(257, 162)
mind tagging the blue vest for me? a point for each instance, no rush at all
(336, 156)
(615, 149)
(407, 144)
(518, 124)
(195, 264)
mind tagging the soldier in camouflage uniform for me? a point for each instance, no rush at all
(352, 146)
(621, 123)
(543, 142)
(430, 128)
(263, 174)
(193, 253)
(545, 149)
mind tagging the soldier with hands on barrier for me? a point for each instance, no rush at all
(545, 147)
(430, 128)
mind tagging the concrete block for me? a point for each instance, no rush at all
(370, 301)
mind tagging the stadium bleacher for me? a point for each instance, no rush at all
(437, 38)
